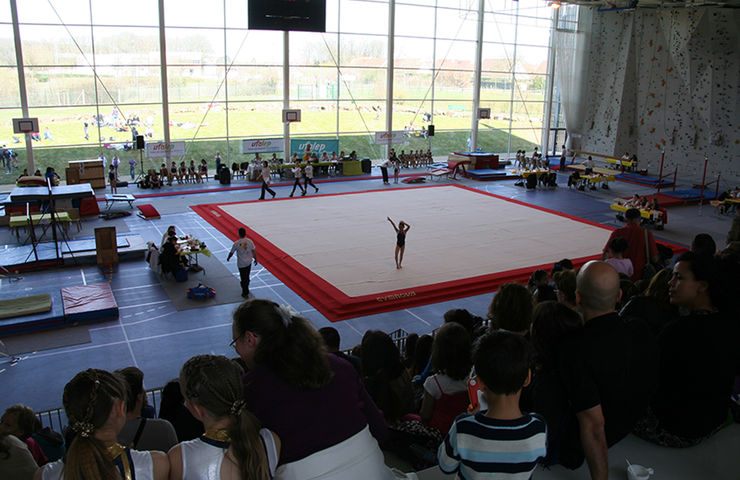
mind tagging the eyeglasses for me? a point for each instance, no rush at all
(233, 342)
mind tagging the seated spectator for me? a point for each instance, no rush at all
(703, 244)
(233, 438)
(51, 442)
(545, 293)
(445, 392)
(52, 176)
(313, 401)
(19, 420)
(472, 323)
(330, 335)
(409, 350)
(653, 306)
(698, 359)
(172, 408)
(16, 461)
(617, 247)
(551, 324)
(636, 237)
(385, 378)
(95, 404)
(608, 370)
(565, 282)
(142, 433)
(500, 439)
(169, 259)
(511, 309)
(156, 182)
(171, 230)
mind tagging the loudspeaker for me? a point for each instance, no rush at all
(140, 142)
(430, 130)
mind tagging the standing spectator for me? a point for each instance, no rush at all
(384, 170)
(636, 237)
(562, 160)
(245, 253)
(609, 371)
(115, 162)
(112, 179)
(86, 129)
(132, 167)
(138, 432)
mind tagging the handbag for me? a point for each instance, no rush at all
(201, 292)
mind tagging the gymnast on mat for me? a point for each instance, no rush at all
(401, 230)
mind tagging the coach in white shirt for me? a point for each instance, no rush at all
(245, 253)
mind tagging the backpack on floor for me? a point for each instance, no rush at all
(201, 292)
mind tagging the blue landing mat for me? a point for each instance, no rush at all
(38, 321)
(690, 194)
(643, 180)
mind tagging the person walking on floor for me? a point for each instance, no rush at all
(401, 230)
(297, 174)
(308, 177)
(245, 253)
(266, 179)
(384, 170)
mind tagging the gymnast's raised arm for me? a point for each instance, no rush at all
(394, 225)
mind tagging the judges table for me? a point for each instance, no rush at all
(191, 246)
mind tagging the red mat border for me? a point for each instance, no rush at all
(336, 305)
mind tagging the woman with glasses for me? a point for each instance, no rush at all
(313, 401)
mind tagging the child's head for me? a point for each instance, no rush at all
(618, 246)
(18, 420)
(502, 362)
(212, 387)
(451, 351)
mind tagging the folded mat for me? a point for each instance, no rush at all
(16, 307)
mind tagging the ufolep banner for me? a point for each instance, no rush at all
(263, 145)
(318, 146)
(383, 138)
(163, 149)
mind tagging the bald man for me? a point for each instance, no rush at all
(609, 372)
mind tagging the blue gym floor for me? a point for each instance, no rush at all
(153, 336)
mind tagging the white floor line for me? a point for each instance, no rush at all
(144, 304)
(353, 328)
(139, 286)
(417, 317)
(84, 280)
(128, 344)
(150, 319)
(197, 220)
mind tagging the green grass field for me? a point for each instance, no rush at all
(203, 129)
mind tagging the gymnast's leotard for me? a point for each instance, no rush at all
(401, 239)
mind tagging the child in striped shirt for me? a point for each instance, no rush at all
(501, 442)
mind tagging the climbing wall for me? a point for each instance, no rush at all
(667, 80)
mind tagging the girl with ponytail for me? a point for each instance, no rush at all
(95, 404)
(315, 402)
(233, 446)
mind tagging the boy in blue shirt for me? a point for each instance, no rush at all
(500, 442)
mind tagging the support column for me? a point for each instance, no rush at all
(549, 87)
(476, 82)
(389, 76)
(21, 81)
(286, 91)
(163, 75)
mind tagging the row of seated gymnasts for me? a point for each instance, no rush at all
(563, 369)
(182, 174)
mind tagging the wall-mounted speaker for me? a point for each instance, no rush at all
(430, 130)
(140, 142)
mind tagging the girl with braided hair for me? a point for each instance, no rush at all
(315, 401)
(233, 446)
(95, 404)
